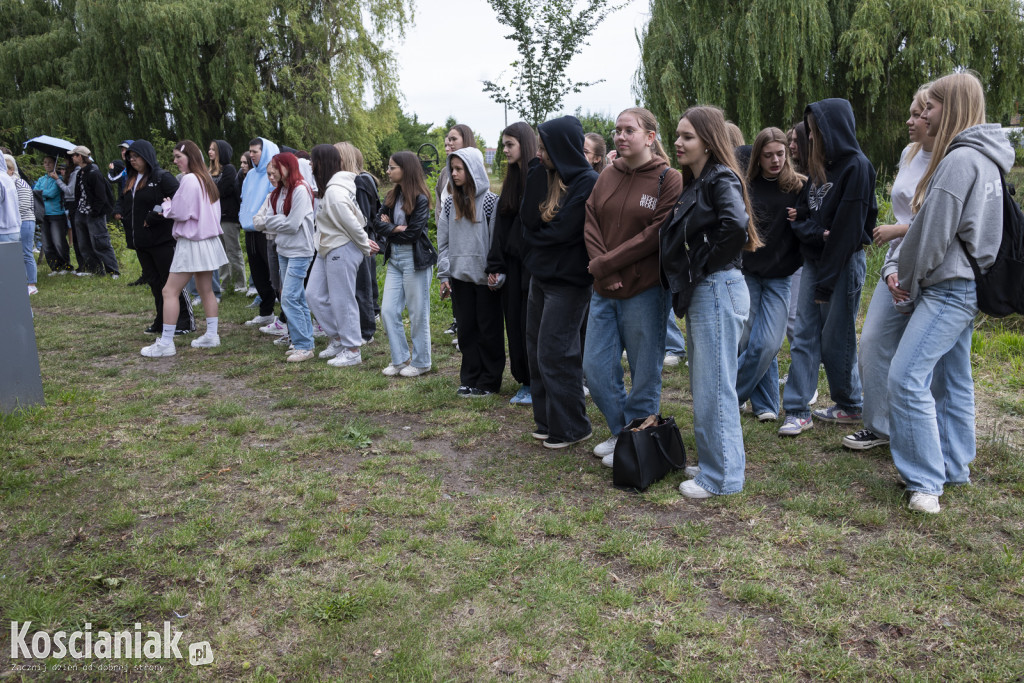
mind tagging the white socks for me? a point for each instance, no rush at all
(211, 326)
(168, 335)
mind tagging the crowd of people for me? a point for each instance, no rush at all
(586, 258)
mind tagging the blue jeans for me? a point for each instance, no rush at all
(28, 239)
(714, 323)
(826, 334)
(293, 300)
(879, 338)
(406, 287)
(675, 343)
(757, 376)
(633, 324)
(935, 442)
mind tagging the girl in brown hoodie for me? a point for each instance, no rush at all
(631, 199)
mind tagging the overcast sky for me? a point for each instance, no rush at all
(456, 45)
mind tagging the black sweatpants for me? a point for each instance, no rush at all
(481, 335)
(259, 269)
(157, 262)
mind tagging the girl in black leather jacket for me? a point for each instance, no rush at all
(701, 242)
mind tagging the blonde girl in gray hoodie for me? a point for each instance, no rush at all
(341, 246)
(465, 226)
(959, 210)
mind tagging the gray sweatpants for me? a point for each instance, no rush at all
(331, 293)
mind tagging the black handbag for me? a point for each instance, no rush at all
(644, 456)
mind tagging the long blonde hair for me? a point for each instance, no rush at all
(963, 105)
(709, 125)
(556, 190)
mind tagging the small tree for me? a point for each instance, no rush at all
(548, 34)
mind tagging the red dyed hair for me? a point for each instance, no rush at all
(290, 164)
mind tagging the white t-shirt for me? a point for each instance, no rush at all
(905, 185)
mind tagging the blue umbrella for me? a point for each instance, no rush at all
(49, 145)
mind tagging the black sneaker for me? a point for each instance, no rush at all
(138, 282)
(453, 328)
(180, 331)
(153, 329)
(463, 391)
(558, 443)
(477, 393)
(863, 440)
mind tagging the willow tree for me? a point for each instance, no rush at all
(296, 71)
(764, 60)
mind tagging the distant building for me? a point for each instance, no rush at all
(489, 155)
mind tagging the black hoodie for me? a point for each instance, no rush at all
(227, 185)
(555, 250)
(507, 241)
(148, 228)
(845, 205)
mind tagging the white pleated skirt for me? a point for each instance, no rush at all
(198, 256)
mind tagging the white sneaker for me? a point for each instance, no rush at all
(332, 350)
(196, 300)
(924, 502)
(691, 471)
(606, 447)
(207, 341)
(609, 460)
(411, 371)
(32, 289)
(251, 291)
(393, 370)
(814, 399)
(318, 331)
(767, 416)
(690, 489)
(283, 340)
(671, 360)
(794, 426)
(299, 356)
(261, 320)
(158, 350)
(276, 328)
(346, 358)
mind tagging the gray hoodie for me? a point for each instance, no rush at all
(293, 233)
(964, 199)
(462, 243)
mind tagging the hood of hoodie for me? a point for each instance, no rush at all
(145, 150)
(988, 139)
(837, 127)
(345, 180)
(474, 163)
(225, 153)
(270, 150)
(563, 139)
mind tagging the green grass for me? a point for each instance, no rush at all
(315, 523)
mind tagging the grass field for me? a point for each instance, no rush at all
(315, 523)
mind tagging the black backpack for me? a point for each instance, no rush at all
(1001, 288)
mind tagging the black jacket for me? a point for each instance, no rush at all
(780, 256)
(368, 201)
(148, 227)
(844, 205)
(424, 254)
(704, 233)
(507, 240)
(97, 191)
(228, 185)
(555, 250)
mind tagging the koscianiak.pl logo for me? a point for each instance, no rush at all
(86, 644)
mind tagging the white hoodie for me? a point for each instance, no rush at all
(338, 218)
